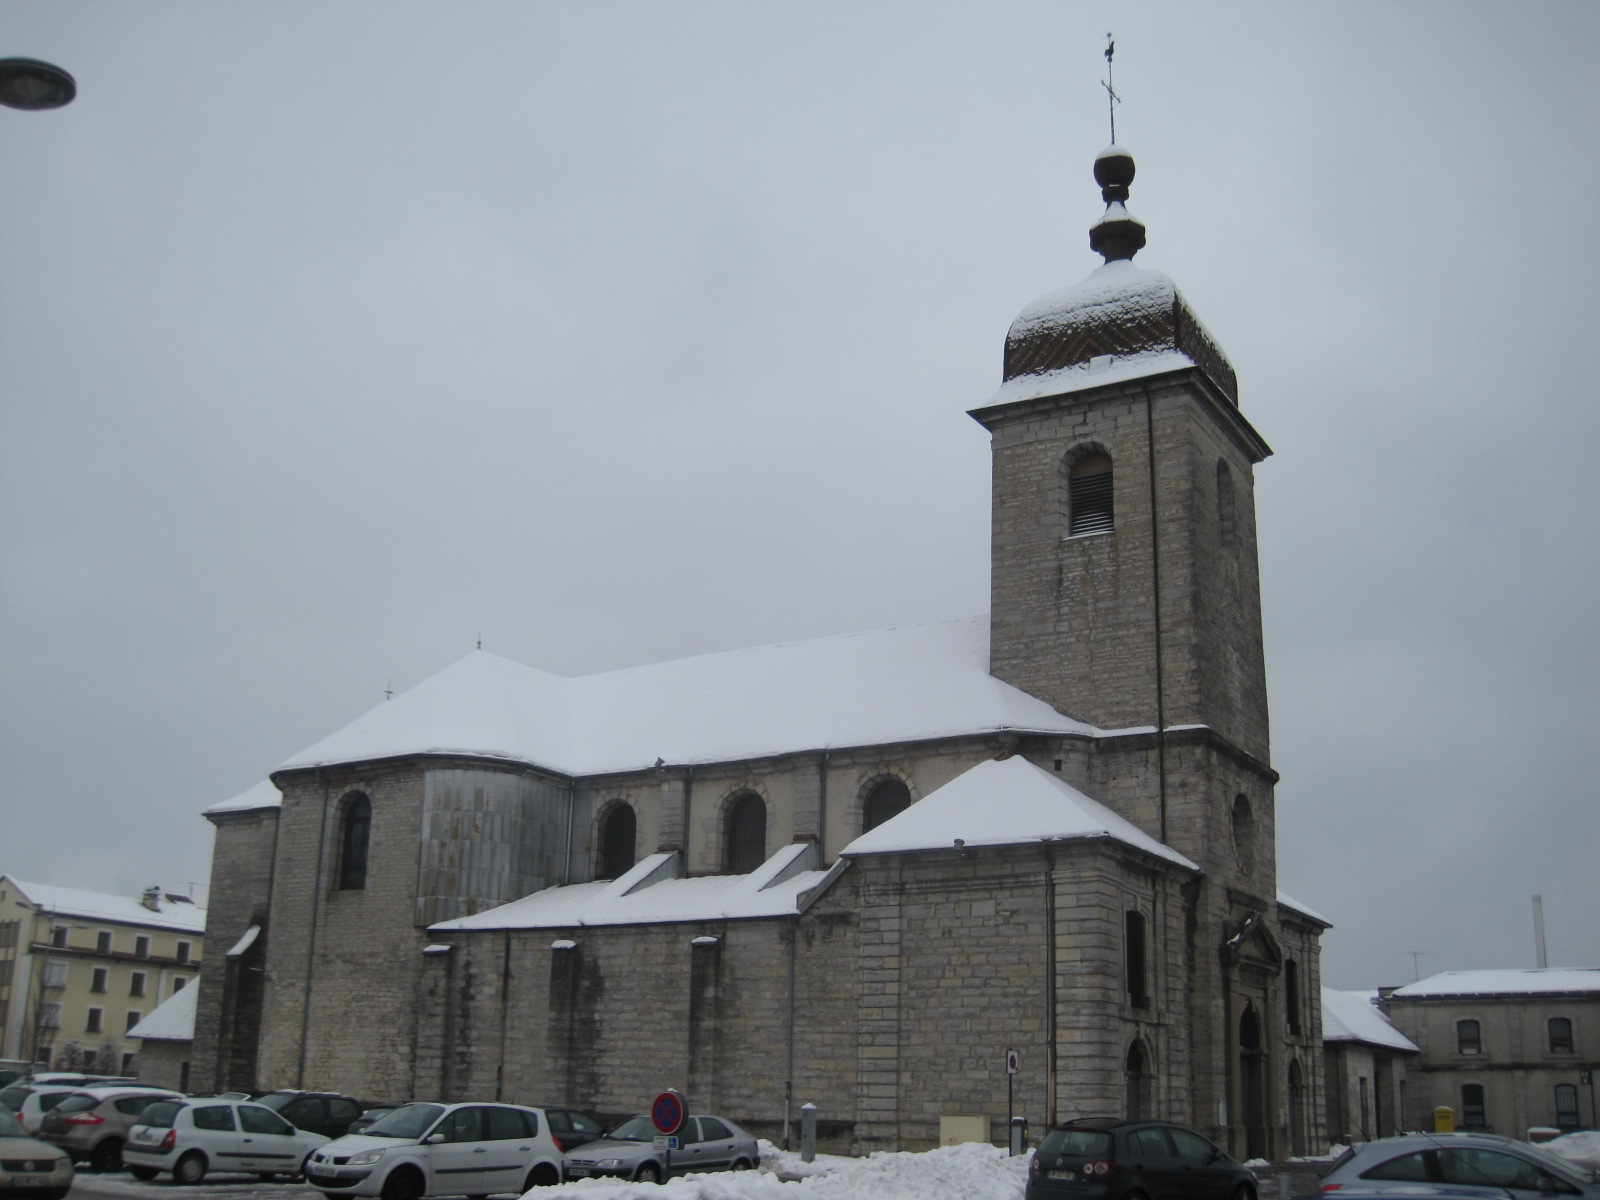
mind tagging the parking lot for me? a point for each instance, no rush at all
(122, 1186)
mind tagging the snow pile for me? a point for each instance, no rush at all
(1581, 1149)
(973, 1171)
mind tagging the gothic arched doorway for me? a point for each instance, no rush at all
(1252, 1085)
(1141, 1083)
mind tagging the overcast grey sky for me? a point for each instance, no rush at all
(334, 334)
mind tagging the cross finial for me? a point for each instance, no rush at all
(1112, 99)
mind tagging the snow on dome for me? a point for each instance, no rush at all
(909, 684)
(1112, 291)
(1004, 802)
(1356, 1017)
(1506, 982)
(264, 795)
(1112, 151)
(173, 1019)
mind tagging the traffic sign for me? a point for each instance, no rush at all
(1013, 1062)
(668, 1112)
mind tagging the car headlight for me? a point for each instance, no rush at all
(609, 1164)
(366, 1158)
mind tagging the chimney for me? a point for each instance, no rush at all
(152, 898)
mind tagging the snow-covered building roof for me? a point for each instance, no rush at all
(1304, 910)
(1005, 802)
(170, 912)
(1356, 1017)
(911, 684)
(264, 795)
(654, 893)
(1504, 982)
(172, 1020)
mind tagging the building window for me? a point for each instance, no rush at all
(92, 1025)
(888, 798)
(177, 984)
(102, 942)
(745, 840)
(1560, 1030)
(1140, 1083)
(58, 937)
(1567, 1118)
(99, 982)
(619, 836)
(1243, 822)
(49, 1016)
(1297, 1110)
(141, 947)
(183, 952)
(1469, 1039)
(136, 984)
(1227, 507)
(1291, 993)
(355, 831)
(1135, 957)
(130, 1064)
(133, 1019)
(1472, 1114)
(1089, 506)
(55, 974)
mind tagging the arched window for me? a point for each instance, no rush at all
(619, 831)
(1089, 505)
(1252, 1084)
(745, 840)
(1135, 957)
(1567, 1116)
(354, 833)
(1560, 1030)
(1244, 832)
(1227, 507)
(1291, 994)
(1140, 1081)
(1469, 1038)
(888, 798)
(1297, 1109)
(1472, 1114)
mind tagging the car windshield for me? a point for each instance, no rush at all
(1086, 1143)
(412, 1121)
(634, 1129)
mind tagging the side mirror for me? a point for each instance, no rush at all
(433, 1139)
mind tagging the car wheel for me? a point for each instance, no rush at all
(1244, 1192)
(543, 1175)
(649, 1173)
(741, 1164)
(404, 1183)
(107, 1156)
(143, 1173)
(191, 1168)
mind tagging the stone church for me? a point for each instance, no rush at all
(854, 872)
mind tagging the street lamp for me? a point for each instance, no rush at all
(27, 83)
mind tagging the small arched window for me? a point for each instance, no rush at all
(1227, 507)
(354, 833)
(1243, 822)
(1140, 1079)
(1291, 994)
(1469, 1038)
(745, 840)
(1089, 507)
(1472, 1112)
(1568, 1119)
(888, 798)
(619, 833)
(1136, 956)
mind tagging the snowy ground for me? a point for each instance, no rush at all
(971, 1172)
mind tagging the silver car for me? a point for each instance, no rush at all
(633, 1150)
(92, 1123)
(1469, 1159)
(30, 1168)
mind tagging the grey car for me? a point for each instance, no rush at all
(92, 1123)
(1468, 1159)
(630, 1151)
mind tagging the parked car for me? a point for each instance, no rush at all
(29, 1167)
(192, 1138)
(327, 1113)
(92, 1123)
(572, 1127)
(629, 1151)
(1376, 1190)
(1471, 1159)
(441, 1150)
(30, 1101)
(1109, 1158)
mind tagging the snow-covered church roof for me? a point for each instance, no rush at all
(1356, 1017)
(910, 684)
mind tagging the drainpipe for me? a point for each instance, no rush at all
(788, 1069)
(822, 812)
(311, 941)
(505, 1016)
(1155, 580)
(1050, 985)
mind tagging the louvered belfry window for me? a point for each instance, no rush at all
(1089, 495)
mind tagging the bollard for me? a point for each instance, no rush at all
(808, 1132)
(1019, 1136)
(1286, 1185)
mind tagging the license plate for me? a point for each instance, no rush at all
(577, 1170)
(29, 1181)
(1061, 1174)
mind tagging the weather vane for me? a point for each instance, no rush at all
(1112, 99)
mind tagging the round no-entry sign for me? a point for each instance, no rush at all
(668, 1112)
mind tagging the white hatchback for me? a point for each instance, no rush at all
(193, 1137)
(441, 1150)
